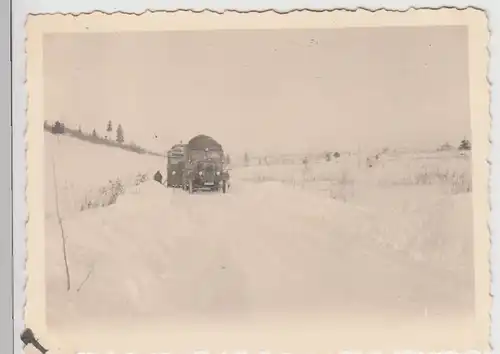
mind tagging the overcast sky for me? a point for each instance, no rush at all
(265, 90)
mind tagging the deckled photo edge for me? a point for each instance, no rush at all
(34, 314)
(38, 25)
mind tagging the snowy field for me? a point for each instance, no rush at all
(337, 236)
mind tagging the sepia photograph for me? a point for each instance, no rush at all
(250, 175)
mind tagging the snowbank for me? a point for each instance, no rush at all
(264, 247)
(117, 252)
(81, 171)
(429, 219)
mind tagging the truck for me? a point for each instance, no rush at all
(176, 161)
(205, 167)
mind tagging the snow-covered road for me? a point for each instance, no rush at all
(258, 249)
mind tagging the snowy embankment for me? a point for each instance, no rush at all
(85, 174)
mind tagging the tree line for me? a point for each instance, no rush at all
(465, 145)
(59, 128)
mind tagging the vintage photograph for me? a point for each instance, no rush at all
(242, 174)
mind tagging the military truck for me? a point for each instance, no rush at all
(205, 167)
(176, 161)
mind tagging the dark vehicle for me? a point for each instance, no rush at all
(176, 162)
(205, 166)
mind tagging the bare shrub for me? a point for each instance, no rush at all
(108, 195)
(141, 178)
(116, 189)
(457, 182)
(445, 147)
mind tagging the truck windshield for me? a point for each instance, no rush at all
(198, 155)
(173, 160)
(214, 155)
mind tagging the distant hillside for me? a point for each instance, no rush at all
(58, 128)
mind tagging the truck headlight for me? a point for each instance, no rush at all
(200, 173)
(218, 173)
(173, 172)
